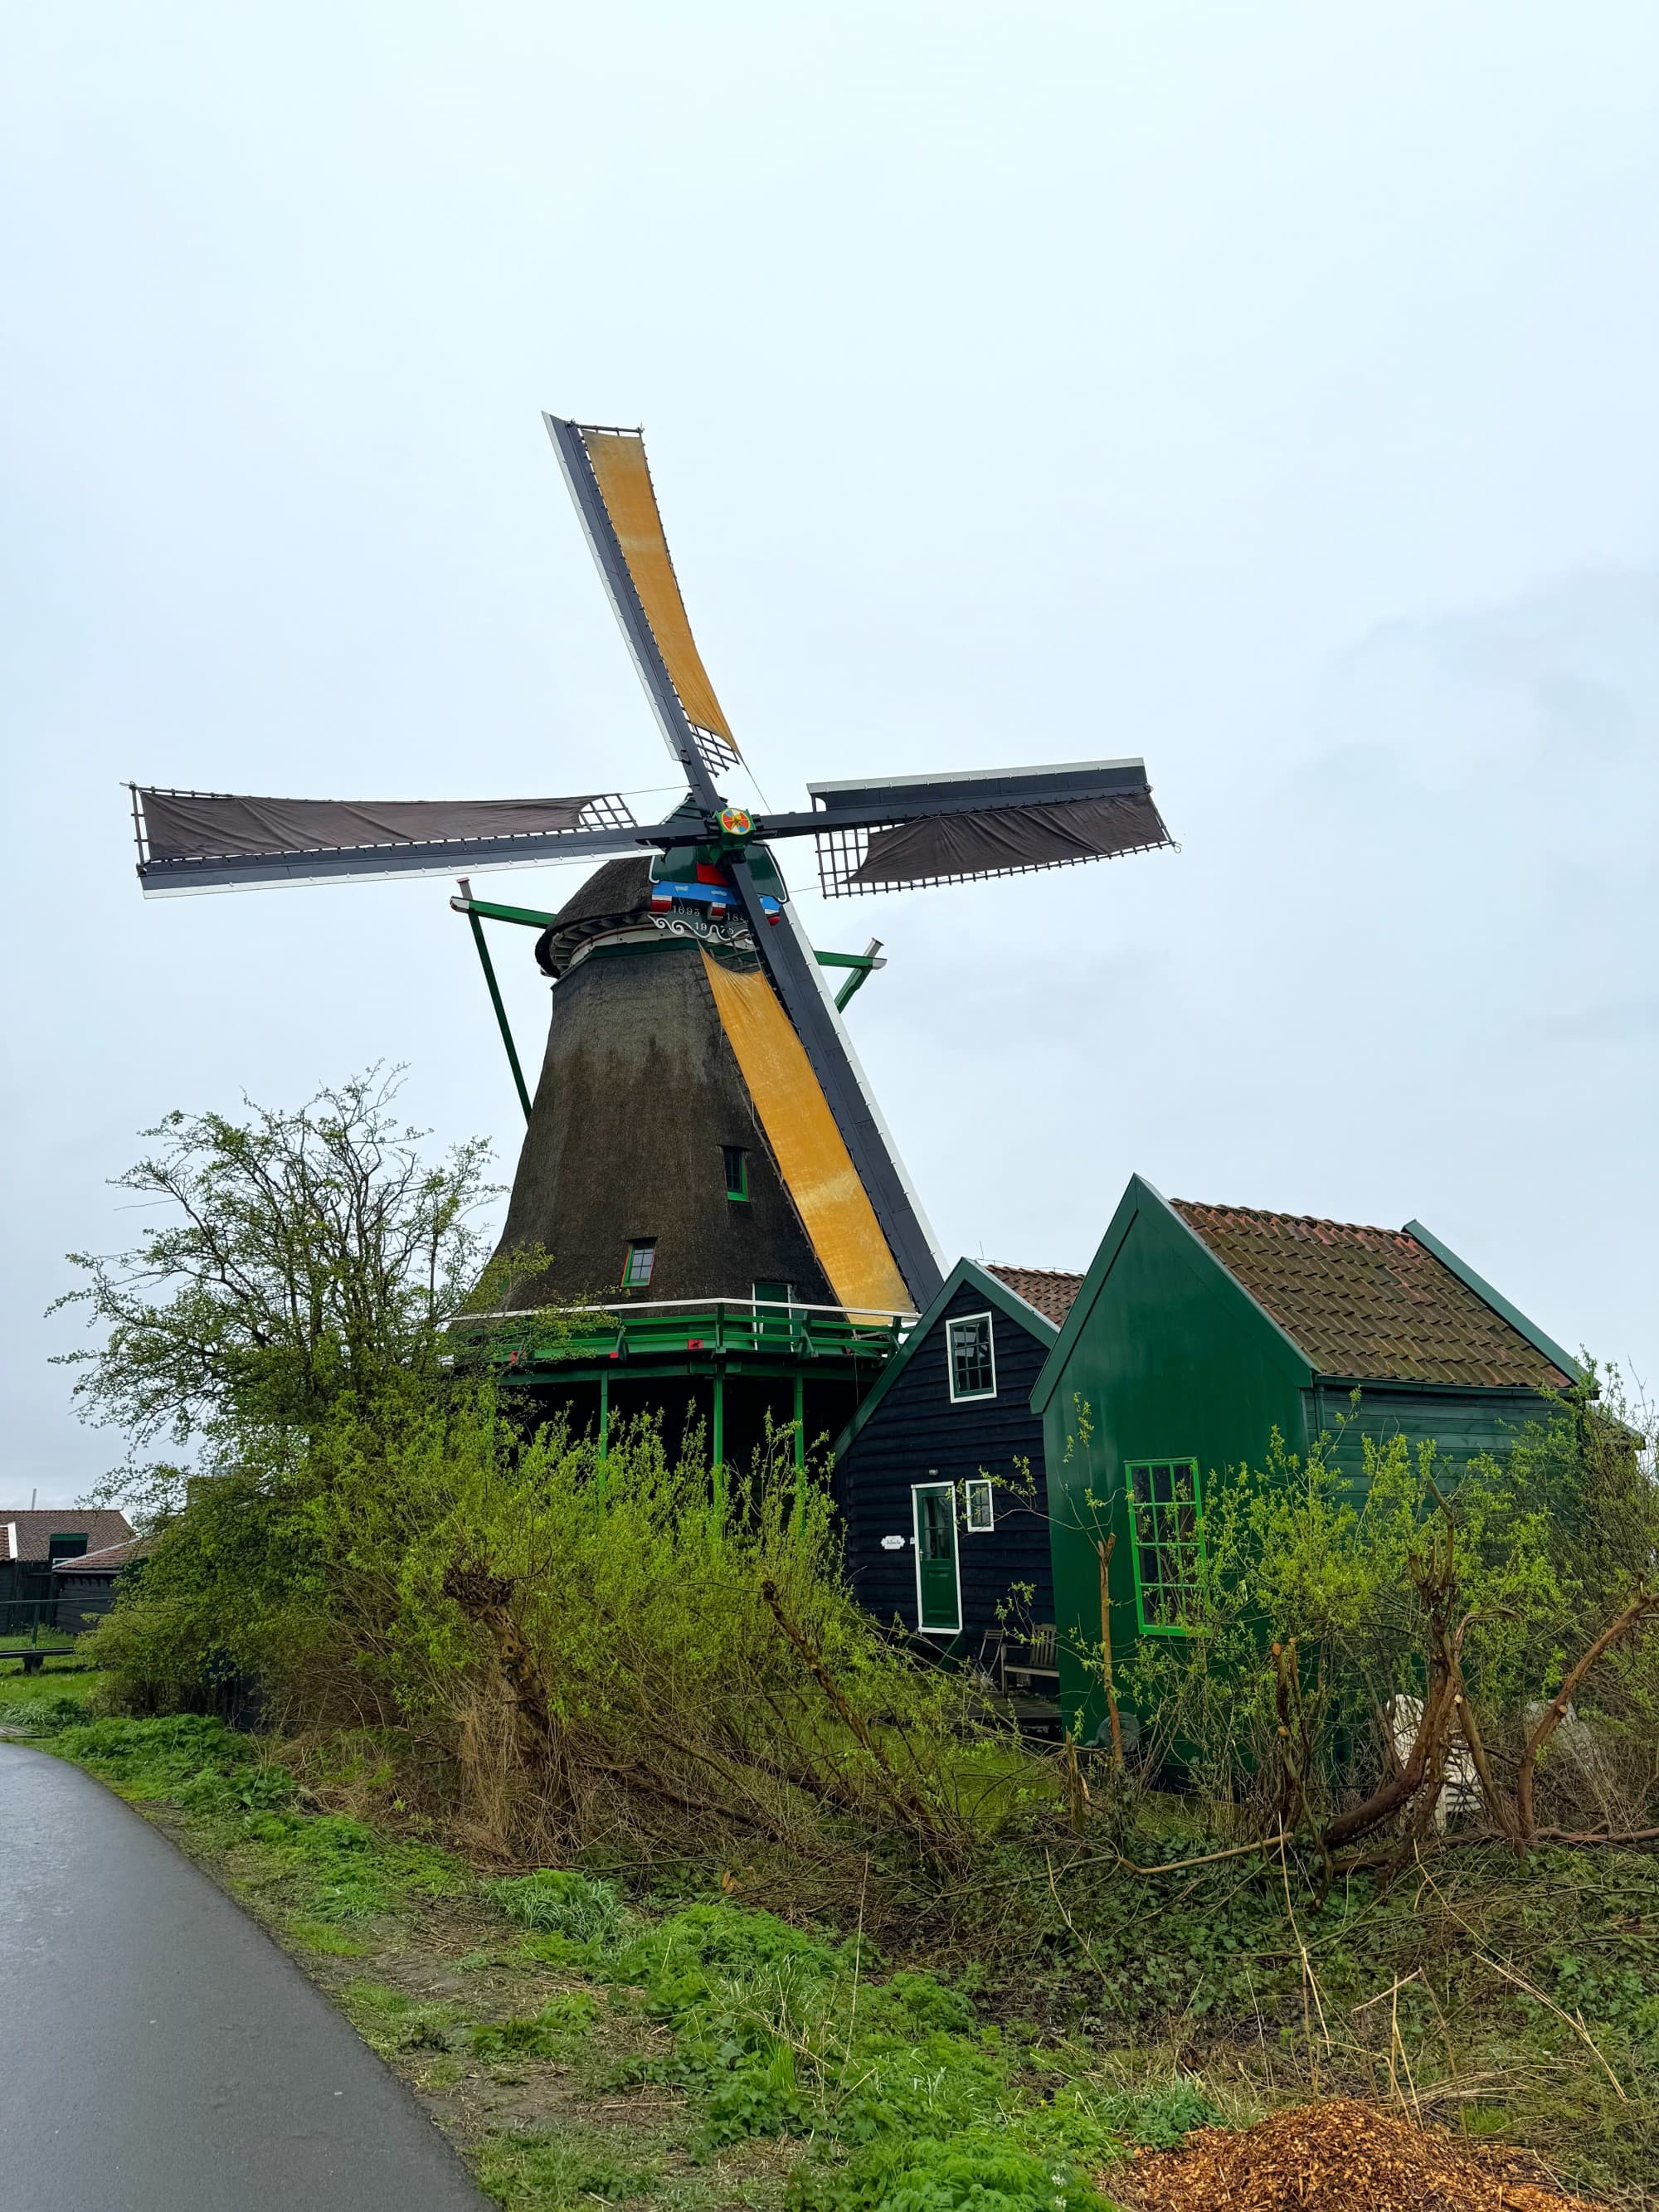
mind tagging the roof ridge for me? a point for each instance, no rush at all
(1311, 1221)
(1017, 1267)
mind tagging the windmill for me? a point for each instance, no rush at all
(693, 1033)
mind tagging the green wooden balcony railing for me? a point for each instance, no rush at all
(694, 1328)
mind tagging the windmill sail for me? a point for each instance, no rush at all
(610, 484)
(610, 480)
(193, 841)
(882, 834)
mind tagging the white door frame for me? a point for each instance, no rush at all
(928, 1627)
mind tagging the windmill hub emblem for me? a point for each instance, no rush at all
(700, 1109)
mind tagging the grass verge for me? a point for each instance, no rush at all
(578, 2044)
(680, 2048)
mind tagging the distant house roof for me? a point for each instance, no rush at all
(109, 1560)
(1046, 1288)
(28, 1536)
(1372, 1304)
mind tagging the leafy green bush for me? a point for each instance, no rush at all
(1308, 1558)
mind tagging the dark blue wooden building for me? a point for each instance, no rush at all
(939, 1475)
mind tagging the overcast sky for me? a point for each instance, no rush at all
(1269, 391)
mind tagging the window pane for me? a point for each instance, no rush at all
(1166, 1529)
(969, 1344)
(935, 1518)
(736, 1161)
(642, 1259)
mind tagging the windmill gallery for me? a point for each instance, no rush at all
(759, 1256)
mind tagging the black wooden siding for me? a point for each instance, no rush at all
(916, 1435)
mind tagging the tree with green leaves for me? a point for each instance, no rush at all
(307, 1256)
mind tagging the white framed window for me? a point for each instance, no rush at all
(970, 1357)
(979, 1511)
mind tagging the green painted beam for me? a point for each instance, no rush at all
(528, 917)
(863, 965)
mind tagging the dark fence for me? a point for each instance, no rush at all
(29, 1623)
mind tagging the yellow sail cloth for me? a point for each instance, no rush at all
(810, 1151)
(624, 481)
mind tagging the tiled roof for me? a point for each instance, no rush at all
(1372, 1304)
(28, 1536)
(1045, 1288)
(108, 1561)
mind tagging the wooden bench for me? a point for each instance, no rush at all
(35, 1656)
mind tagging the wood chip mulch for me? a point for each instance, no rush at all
(1336, 2156)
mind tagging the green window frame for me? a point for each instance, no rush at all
(1166, 1542)
(736, 1163)
(640, 1263)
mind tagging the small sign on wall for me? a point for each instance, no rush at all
(892, 1543)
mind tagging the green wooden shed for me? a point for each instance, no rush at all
(1200, 1330)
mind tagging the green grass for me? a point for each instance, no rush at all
(25, 1698)
(797, 2070)
(803, 2067)
(566, 2167)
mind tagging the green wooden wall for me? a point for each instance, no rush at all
(1174, 1361)
(1459, 1422)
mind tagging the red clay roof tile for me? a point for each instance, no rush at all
(1372, 1304)
(1049, 1291)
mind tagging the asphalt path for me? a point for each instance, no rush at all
(158, 2053)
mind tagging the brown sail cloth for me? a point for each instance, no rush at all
(188, 825)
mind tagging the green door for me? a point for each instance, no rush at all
(938, 1592)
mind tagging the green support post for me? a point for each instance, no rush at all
(471, 912)
(718, 1471)
(605, 1412)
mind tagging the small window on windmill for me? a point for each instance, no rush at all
(641, 1260)
(979, 1510)
(736, 1170)
(972, 1362)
